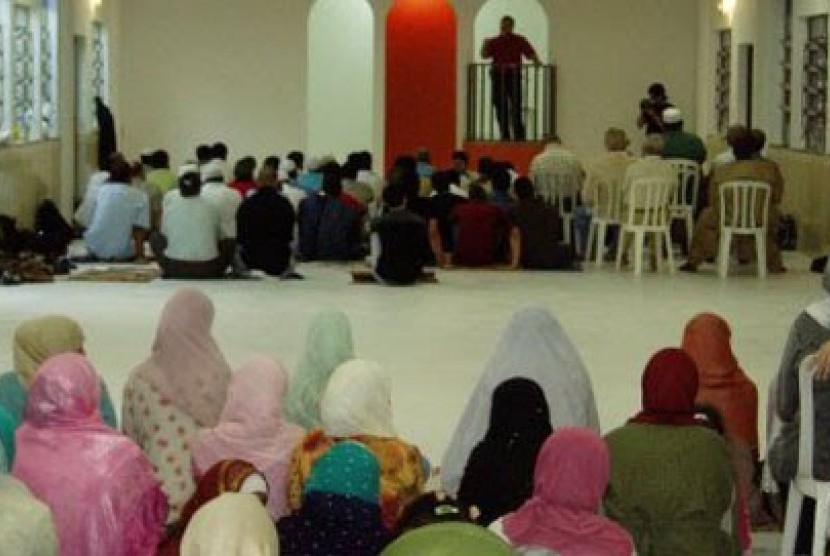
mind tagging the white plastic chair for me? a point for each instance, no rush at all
(744, 211)
(560, 189)
(606, 213)
(804, 483)
(683, 198)
(646, 212)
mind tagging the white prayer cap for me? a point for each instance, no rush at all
(212, 170)
(189, 168)
(672, 116)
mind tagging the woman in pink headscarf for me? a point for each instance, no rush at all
(181, 388)
(99, 486)
(252, 428)
(572, 473)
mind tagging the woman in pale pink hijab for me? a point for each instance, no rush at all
(99, 486)
(180, 389)
(252, 428)
(562, 516)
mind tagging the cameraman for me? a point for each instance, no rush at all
(651, 109)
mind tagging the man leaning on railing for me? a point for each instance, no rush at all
(507, 50)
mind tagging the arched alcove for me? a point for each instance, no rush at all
(421, 71)
(531, 21)
(340, 77)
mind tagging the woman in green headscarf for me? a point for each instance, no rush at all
(328, 345)
(7, 426)
(35, 341)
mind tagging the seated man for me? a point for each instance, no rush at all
(160, 176)
(650, 166)
(748, 165)
(501, 188)
(190, 244)
(398, 240)
(361, 191)
(605, 175)
(462, 178)
(329, 227)
(536, 232)
(265, 226)
(441, 206)
(482, 231)
(120, 217)
(679, 143)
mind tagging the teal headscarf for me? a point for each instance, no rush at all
(7, 426)
(347, 469)
(449, 539)
(328, 345)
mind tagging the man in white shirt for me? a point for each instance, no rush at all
(225, 199)
(119, 217)
(558, 174)
(191, 244)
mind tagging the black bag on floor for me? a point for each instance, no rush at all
(787, 233)
(53, 233)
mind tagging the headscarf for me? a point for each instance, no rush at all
(186, 365)
(572, 474)
(358, 401)
(225, 476)
(706, 339)
(252, 428)
(498, 478)
(233, 524)
(449, 539)
(37, 340)
(723, 384)
(97, 482)
(328, 345)
(669, 387)
(533, 346)
(341, 512)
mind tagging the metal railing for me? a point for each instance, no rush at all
(511, 104)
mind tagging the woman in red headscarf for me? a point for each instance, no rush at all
(671, 483)
(723, 384)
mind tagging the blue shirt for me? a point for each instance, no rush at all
(310, 182)
(117, 209)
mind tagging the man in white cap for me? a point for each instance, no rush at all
(227, 201)
(191, 243)
(679, 143)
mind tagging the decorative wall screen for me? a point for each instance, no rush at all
(48, 69)
(814, 89)
(99, 64)
(23, 72)
(787, 75)
(723, 78)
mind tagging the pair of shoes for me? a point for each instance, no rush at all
(10, 279)
(688, 267)
(292, 276)
(777, 270)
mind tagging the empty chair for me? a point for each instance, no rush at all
(805, 483)
(744, 211)
(606, 213)
(646, 211)
(683, 199)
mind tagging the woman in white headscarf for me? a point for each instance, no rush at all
(234, 524)
(26, 524)
(357, 405)
(179, 389)
(536, 347)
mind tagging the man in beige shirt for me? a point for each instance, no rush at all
(748, 165)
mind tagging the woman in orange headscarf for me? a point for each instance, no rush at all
(723, 384)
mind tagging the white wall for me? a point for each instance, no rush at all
(194, 71)
(340, 77)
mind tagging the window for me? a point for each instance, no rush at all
(23, 73)
(99, 63)
(723, 79)
(47, 45)
(787, 75)
(814, 89)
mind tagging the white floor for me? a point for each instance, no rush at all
(436, 338)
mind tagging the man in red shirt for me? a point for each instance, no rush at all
(482, 231)
(507, 50)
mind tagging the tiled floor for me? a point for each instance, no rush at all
(436, 338)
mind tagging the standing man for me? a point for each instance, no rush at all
(507, 50)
